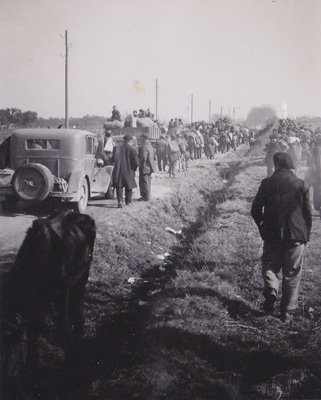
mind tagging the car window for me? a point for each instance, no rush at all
(42, 144)
(90, 148)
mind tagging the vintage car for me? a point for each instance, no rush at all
(54, 163)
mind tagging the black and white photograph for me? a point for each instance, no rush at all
(160, 199)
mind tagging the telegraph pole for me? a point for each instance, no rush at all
(221, 112)
(66, 82)
(192, 101)
(209, 111)
(156, 99)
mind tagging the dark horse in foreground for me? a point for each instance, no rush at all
(50, 272)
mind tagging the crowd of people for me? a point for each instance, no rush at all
(185, 143)
(303, 144)
(131, 120)
(126, 159)
(177, 146)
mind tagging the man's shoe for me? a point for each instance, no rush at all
(120, 205)
(268, 306)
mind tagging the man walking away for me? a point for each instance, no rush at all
(126, 163)
(173, 155)
(282, 212)
(146, 167)
(161, 153)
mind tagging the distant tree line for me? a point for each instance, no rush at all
(10, 117)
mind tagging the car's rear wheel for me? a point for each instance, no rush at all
(32, 182)
(81, 205)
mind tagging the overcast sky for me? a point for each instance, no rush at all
(236, 53)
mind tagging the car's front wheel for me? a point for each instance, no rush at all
(81, 205)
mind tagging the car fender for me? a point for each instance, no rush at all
(74, 184)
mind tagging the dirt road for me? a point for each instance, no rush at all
(15, 225)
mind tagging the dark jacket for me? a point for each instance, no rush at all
(282, 209)
(126, 163)
(161, 146)
(146, 158)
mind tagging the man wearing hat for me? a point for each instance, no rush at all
(146, 167)
(282, 212)
(126, 163)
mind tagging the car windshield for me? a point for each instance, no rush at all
(43, 144)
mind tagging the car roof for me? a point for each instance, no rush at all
(39, 133)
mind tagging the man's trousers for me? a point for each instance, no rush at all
(145, 185)
(283, 262)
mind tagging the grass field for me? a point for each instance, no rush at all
(179, 316)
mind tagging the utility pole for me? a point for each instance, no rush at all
(209, 111)
(192, 101)
(234, 113)
(156, 99)
(221, 112)
(66, 82)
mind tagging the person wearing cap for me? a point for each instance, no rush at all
(282, 211)
(146, 167)
(126, 163)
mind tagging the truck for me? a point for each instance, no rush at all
(154, 133)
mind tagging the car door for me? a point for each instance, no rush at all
(100, 176)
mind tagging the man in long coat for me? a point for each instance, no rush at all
(146, 167)
(161, 153)
(282, 212)
(126, 163)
